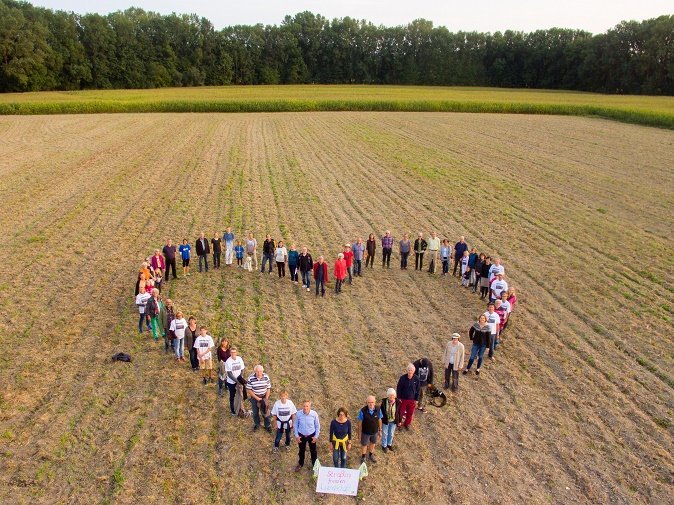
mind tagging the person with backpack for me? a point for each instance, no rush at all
(452, 360)
(369, 428)
(423, 370)
(391, 418)
(306, 266)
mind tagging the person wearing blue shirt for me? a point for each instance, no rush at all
(293, 263)
(228, 237)
(185, 252)
(459, 248)
(307, 429)
(369, 428)
(239, 254)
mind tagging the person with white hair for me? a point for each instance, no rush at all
(386, 249)
(391, 418)
(320, 275)
(369, 428)
(339, 272)
(408, 392)
(258, 387)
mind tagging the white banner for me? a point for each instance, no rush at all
(337, 481)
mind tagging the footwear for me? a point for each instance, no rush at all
(234, 414)
(308, 289)
(288, 448)
(268, 429)
(390, 448)
(407, 427)
(371, 457)
(256, 427)
(275, 450)
(421, 409)
(298, 468)
(362, 459)
(465, 372)
(384, 449)
(477, 372)
(205, 381)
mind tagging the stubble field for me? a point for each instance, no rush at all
(577, 408)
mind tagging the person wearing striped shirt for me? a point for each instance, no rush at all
(259, 388)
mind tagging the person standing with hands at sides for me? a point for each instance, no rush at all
(203, 250)
(445, 255)
(453, 361)
(423, 370)
(251, 248)
(191, 334)
(405, 247)
(493, 320)
(478, 272)
(157, 262)
(307, 430)
(484, 278)
(228, 237)
(369, 428)
(204, 345)
(238, 252)
(498, 286)
(259, 389)
(348, 260)
(178, 328)
(216, 242)
(306, 266)
(420, 246)
(386, 249)
(340, 438)
(472, 262)
(370, 247)
(223, 355)
(234, 368)
(495, 269)
(339, 272)
(280, 255)
(141, 301)
(433, 245)
(268, 248)
(480, 334)
(169, 252)
(185, 250)
(408, 392)
(320, 274)
(153, 310)
(391, 417)
(358, 250)
(459, 248)
(284, 411)
(293, 260)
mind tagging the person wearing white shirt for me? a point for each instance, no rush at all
(433, 246)
(284, 412)
(204, 344)
(141, 300)
(234, 367)
(178, 327)
(281, 256)
(493, 320)
(498, 286)
(495, 268)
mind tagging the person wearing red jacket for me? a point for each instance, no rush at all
(339, 272)
(320, 274)
(348, 258)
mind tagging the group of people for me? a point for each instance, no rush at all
(378, 419)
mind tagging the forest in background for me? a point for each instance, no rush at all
(43, 49)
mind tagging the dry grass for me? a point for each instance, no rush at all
(577, 408)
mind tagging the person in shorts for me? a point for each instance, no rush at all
(184, 250)
(369, 428)
(204, 345)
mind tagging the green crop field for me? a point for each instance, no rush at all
(646, 110)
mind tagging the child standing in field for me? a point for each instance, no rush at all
(238, 250)
(158, 279)
(465, 269)
(185, 249)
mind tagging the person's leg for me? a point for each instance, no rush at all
(409, 411)
(447, 376)
(492, 341)
(421, 261)
(323, 287)
(256, 411)
(177, 347)
(302, 447)
(391, 432)
(317, 287)
(283, 269)
(271, 259)
(421, 401)
(277, 438)
(141, 318)
(384, 435)
(232, 393)
(154, 323)
(349, 269)
(278, 268)
(455, 380)
(314, 452)
(335, 457)
(480, 356)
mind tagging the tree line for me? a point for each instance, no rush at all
(43, 49)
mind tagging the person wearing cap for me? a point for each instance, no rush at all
(348, 259)
(391, 417)
(358, 250)
(408, 392)
(423, 370)
(498, 286)
(453, 361)
(480, 334)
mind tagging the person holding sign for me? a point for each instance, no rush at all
(307, 429)
(340, 438)
(369, 428)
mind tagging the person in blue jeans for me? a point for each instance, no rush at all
(284, 412)
(340, 438)
(480, 334)
(391, 418)
(293, 260)
(238, 250)
(305, 264)
(268, 249)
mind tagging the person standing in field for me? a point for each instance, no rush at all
(157, 262)
(191, 334)
(223, 354)
(158, 279)
(203, 250)
(420, 246)
(453, 361)
(167, 318)
(493, 320)
(204, 345)
(178, 327)
(465, 269)
(498, 286)
(216, 242)
(472, 262)
(484, 278)
(280, 255)
(307, 430)
(369, 428)
(358, 251)
(445, 255)
(141, 301)
(495, 269)
(339, 272)
(306, 266)
(153, 310)
(169, 252)
(234, 367)
(228, 237)
(284, 412)
(185, 250)
(391, 418)
(479, 334)
(238, 251)
(386, 249)
(459, 248)
(404, 248)
(320, 275)
(423, 368)
(478, 272)
(371, 247)
(408, 391)
(259, 389)
(340, 438)
(348, 260)
(433, 245)
(251, 248)
(268, 248)
(293, 260)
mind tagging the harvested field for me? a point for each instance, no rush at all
(577, 408)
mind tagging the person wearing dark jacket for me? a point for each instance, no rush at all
(370, 247)
(268, 250)
(391, 412)
(306, 265)
(216, 241)
(420, 246)
(484, 278)
(369, 428)
(424, 370)
(479, 334)
(191, 334)
(320, 275)
(459, 248)
(203, 250)
(478, 272)
(169, 252)
(408, 392)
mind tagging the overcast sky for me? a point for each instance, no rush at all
(486, 15)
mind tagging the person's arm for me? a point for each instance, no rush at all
(430, 373)
(317, 426)
(295, 427)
